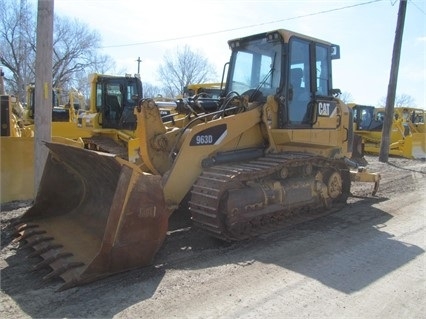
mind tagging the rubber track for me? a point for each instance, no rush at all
(213, 183)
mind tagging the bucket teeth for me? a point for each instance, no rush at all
(51, 259)
(29, 233)
(25, 226)
(44, 249)
(37, 241)
(62, 270)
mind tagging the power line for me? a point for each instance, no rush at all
(240, 28)
(418, 8)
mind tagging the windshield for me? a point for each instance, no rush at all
(256, 66)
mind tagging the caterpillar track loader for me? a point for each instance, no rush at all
(276, 152)
(408, 136)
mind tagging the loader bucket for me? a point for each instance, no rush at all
(94, 215)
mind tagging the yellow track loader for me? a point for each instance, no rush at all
(276, 152)
(408, 136)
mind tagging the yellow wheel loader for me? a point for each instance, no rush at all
(407, 138)
(276, 152)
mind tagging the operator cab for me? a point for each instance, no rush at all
(293, 68)
(366, 119)
(59, 112)
(116, 98)
(255, 67)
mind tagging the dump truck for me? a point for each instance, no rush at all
(407, 137)
(276, 152)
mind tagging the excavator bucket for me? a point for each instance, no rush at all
(94, 215)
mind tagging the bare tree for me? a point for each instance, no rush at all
(401, 100)
(17, 44)
(183, 68)
(74, 48)
(151, 91)
(346, 97)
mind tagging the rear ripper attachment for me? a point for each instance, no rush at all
(112, 219)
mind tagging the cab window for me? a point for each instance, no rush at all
(299, 82)
(322, 70)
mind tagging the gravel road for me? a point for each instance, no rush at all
(365, 261)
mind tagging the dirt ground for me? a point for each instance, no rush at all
(367, 260)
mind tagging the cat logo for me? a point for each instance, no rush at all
(324, 109)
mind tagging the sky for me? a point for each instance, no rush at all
(364, 29)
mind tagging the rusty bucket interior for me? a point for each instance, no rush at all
(94, 215)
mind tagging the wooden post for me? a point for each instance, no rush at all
(43, 87)
(390, 98)
(2, 88)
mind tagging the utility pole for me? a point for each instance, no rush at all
(390, 98)
(2, 88)
(43, 87)
(139, 63)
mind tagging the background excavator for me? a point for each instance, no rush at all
(408, 136)
(277, 151)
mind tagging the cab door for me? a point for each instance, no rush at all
(309, 100)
